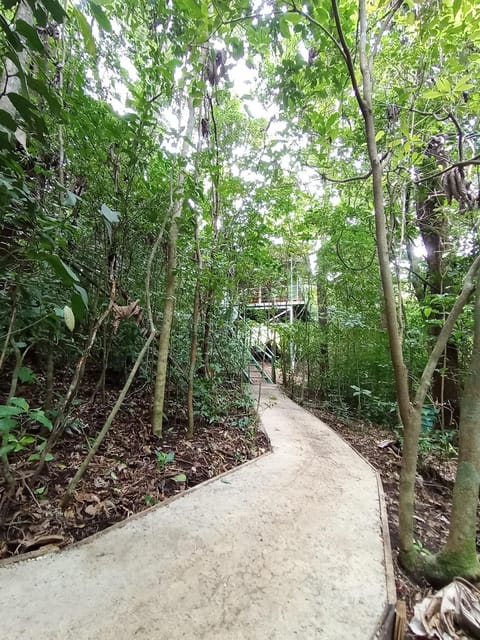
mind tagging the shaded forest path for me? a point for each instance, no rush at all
(287, 546)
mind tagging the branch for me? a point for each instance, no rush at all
(108, 422)
(431, 114)
(364, 176)
(475, 161)
(467, 290)
(348, 59)
(320, 26)
(386, 22)
(460, 135)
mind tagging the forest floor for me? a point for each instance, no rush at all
(132, 470)
(433, 491)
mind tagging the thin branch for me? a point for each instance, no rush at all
(384, 25)
(459, 129)
(467, 290)
(364, 176)
(430, 114)
(320, 26)
(475, 161)
(348, 59)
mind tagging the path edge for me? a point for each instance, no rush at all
(391, 588)
(49, 550)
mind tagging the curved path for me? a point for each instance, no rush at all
(288, 546)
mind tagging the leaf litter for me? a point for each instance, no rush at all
(124, 477)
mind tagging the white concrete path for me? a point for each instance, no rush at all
(286, 547)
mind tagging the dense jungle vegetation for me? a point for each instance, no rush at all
(160, 162)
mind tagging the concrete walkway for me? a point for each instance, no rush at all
(288, 546)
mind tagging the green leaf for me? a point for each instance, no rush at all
(83, 294)
(379, 136)
(432, 93)
(191, 7)
(20, 402)
(427, 312)
(443, 85)
(55, 9)
(36, 456)
(63, 271)
(238, 50)
(457, 5)
(180, 477)
(38, 415)
(6, 424)
(30, 34)
(43, 90)
(77, 305)
(8, 412)
(7, 121)
(100, 16)
(86, 32)
(284, 27)
(294, 18)
(69, 317)
(26, 375)
(464, 85)
(108, 214)
(22, 105)
(11, 36)
(4, 451)
(69, 199)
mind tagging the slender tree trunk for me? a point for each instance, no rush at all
(108, 422)
(193, 359)
(194, 336)
(206, 333)
(50, 376)
(71, 394)
(322, 307)
(169, 308)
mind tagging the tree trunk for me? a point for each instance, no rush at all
(445, 391)
(50, 377)
(194, 335)
(169, 308)
(322, 306)
(459, 556)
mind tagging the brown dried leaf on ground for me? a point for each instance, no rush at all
(450, 614)
(123, 478)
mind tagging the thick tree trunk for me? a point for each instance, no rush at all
(459, 556)
(169, 308)
(445, 382)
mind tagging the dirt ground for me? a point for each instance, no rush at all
(125, 476)
(433, 492)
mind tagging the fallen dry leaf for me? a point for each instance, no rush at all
(42, 541)
(449, 612)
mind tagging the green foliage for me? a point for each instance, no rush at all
(163, 459)
(16, 423)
